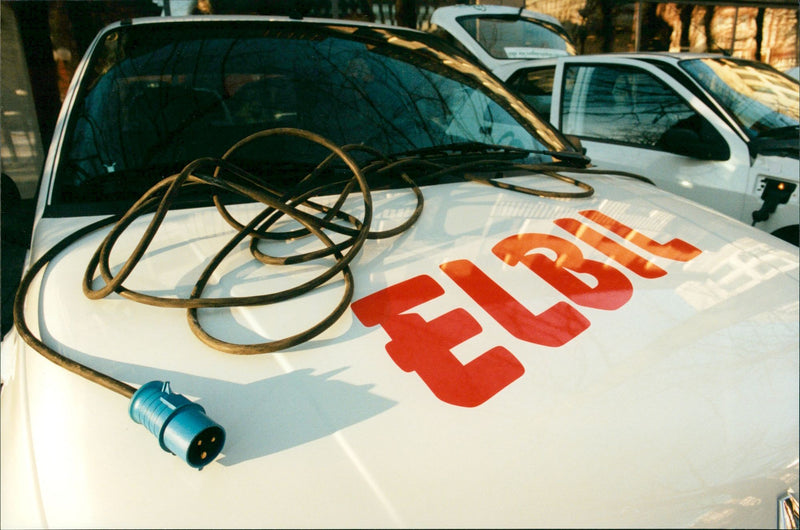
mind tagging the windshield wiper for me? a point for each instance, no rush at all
(781, 141)
(779, 132)
(482, 148)
(462, 148)
(573, 156)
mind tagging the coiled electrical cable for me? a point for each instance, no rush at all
(220, 174)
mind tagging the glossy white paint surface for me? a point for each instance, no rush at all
(679, 408)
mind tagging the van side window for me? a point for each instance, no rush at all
(622, 104)
(535, 86)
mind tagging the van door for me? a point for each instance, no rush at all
(630, 116)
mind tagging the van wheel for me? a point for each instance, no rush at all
(788, 233)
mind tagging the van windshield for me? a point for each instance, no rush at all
(760, 98)
(160, 96)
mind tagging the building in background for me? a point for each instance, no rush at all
(20, 141)
(764, 31)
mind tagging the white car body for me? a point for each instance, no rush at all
(649, 380)
(733, 185)
(553, 40)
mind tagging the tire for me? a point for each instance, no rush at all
(788, 233)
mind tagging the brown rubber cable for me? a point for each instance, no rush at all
(229, 177)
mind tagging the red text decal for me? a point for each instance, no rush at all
(554, 327)
(676, 249)
(612, 288)
(425, 347)
(612, 249)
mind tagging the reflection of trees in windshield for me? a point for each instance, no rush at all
(760, 98)
(621, 104)
(162, 99)
(366, 98)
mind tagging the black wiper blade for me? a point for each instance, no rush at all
(778, 148)
(778, 132)
(482, 148)
(566, 155)
(781, 141)
(462, 148)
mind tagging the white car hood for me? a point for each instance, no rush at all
(678, 408)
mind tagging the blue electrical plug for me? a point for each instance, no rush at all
(181, 426)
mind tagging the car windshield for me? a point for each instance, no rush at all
(516, 37)
(759, 97)
(161, 95)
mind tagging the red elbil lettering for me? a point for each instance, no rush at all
(395, 299)
(676, 249)
(554, 327)
(612, 249)
(613, 288)
(425, 347)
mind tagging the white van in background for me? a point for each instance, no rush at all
(720, 131)
(501, 35)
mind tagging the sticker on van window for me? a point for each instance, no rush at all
(516, 52)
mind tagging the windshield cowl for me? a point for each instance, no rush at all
(784, 141)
